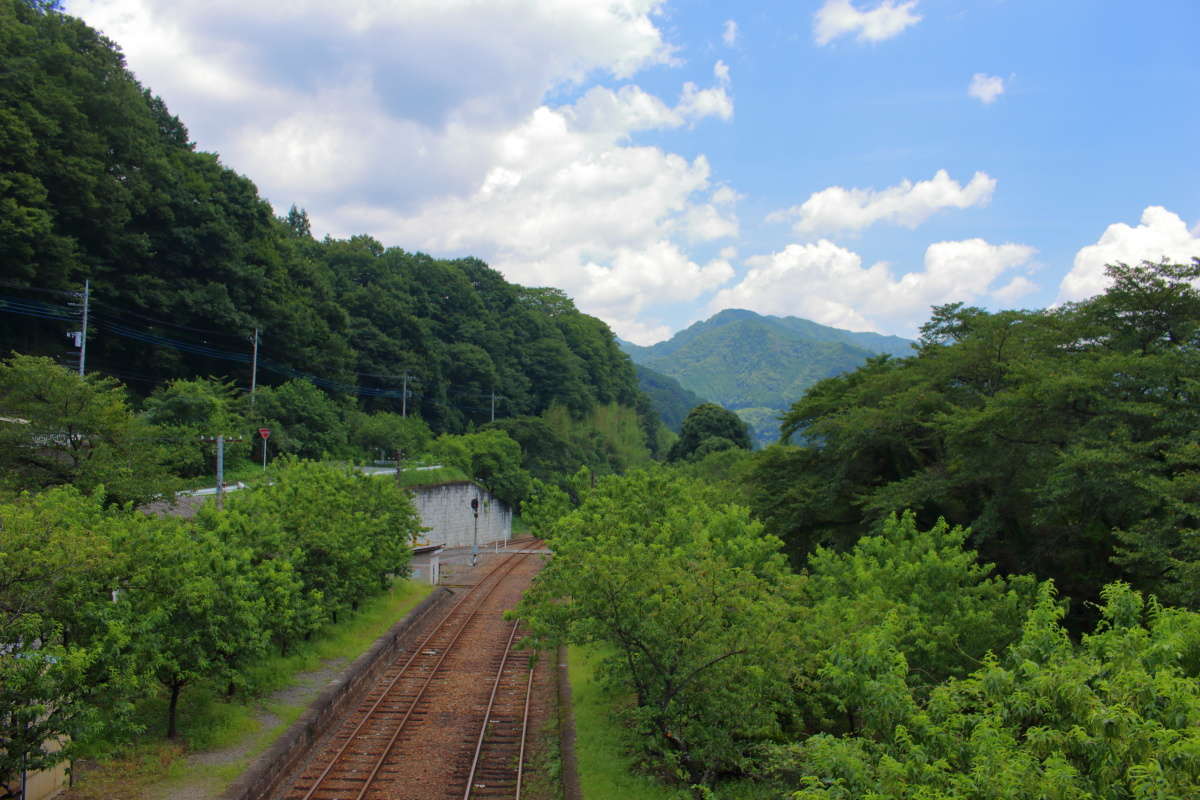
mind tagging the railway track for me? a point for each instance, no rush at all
(443, 720)
(497, 767)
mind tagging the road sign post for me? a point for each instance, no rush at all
(265, 433)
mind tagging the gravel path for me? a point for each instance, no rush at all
(211, 780)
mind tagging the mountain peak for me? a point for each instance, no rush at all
(744, 360)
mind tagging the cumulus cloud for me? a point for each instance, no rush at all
(417, 123)
(569, 203)
(730, 34)
(1161, 233)
(907, 204)
(830, 284)
(841, 17)
(417, 89)
(985, 88)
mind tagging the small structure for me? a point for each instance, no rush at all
(426, 564)
(47, 783)
(446, 511)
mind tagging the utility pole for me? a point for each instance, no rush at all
(254, 373)
(220, 440)
(87, 285)
(493, 405)
(220, 471)
(404, 400)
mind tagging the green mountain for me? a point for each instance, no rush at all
(667, 396)
(759, 365)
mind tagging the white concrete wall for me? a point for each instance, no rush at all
(446, 511)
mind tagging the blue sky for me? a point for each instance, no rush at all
(848, 161)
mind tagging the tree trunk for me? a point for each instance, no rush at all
(175, 687)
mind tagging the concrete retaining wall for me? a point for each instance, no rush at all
(446, 510)
(258, 782)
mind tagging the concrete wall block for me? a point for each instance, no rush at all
(446, 510)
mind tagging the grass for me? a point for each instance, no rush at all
(605, 766)
(247, 472)
(210, 721)
(431, 477)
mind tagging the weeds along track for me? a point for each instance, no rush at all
(447, 718)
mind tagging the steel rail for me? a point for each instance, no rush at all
(524, 732)
(511, 563)
(487, 714)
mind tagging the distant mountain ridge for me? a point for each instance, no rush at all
(757, 364)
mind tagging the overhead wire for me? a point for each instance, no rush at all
(61, 313)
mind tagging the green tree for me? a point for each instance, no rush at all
(1065, 439)
(489, 457)
(346, 534)
(187, 411)
(383, 433)
(1111, 718)
(690, 602)
(304, 421)
(60, 428)
(54, 562)
(191, 604)
(707, 428)
(544, 453)
(907, 596)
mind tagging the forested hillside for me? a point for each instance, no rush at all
(669, 398)
(758, 365)
(186, 261)
(1065, 438)
(1049, 650)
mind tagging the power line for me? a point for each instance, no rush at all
(163, 323)
(60, 313)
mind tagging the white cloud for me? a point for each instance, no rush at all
(730, 34)
(906, 204)
(986, 88)
(1014, 290)
(638, 332)
(1161, 233)
(705, 223)
(418, 90)
(696, 103)
(721, 73)
(840, 17)
(420, 124)
(568, 203)
(829, 284)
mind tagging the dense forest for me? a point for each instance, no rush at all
(186, 263)
(992, 581)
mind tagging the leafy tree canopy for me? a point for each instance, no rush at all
(60, 428)
(708, 428)
(1066, 439)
